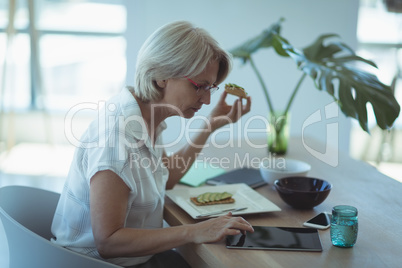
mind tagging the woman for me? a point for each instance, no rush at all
(112, 204)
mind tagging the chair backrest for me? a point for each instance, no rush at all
(31, 207)
(27, 215)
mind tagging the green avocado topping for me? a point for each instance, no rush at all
(233, 85)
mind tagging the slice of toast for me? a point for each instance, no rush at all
(236, 90)
(224, 201)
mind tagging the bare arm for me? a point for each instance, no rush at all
(221, 115)
(108, 205)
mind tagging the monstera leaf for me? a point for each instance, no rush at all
(354, 87)
(263, 40)
(332, 67)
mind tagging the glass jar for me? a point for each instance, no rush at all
(278, 133)
(344, 226)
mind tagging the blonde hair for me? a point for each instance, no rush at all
(176, 50)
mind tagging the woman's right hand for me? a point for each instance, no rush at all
(216, 229)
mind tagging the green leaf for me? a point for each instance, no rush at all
(263, 40)
(353, 58)
(278, 43)
(332, 68)
(317, 51)
(356, 88)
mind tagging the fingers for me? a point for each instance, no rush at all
(216, 229)
(223, 98)
(223, 113)
(233, 114)
(233, 232)
(238, 223)
(238, 109)
(242, 224)
(247, 107)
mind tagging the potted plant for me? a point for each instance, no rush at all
(331, 67)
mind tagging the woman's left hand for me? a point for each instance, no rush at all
(224, 114)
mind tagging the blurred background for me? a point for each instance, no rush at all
(61, 59)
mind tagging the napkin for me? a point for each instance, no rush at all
(200, 172)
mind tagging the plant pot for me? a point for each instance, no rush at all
(278, 133)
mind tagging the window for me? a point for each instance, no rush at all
(81, 53)
(379, 34)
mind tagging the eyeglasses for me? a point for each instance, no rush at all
(203, 89)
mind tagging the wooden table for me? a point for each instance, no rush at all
(377, 197)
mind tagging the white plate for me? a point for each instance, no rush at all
(244, 197)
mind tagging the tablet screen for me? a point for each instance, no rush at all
(277, 238)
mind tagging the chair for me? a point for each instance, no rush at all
(27, 215)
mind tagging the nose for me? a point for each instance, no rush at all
(206, 97)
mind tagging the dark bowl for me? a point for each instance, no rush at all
(302, 192)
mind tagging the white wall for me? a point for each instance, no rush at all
(232, 22)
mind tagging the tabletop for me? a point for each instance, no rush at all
(377, 197)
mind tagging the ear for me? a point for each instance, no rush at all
(161, 83)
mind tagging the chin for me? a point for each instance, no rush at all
(188, 114)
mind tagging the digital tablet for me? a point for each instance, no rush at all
(249, 176)
(277, 238)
